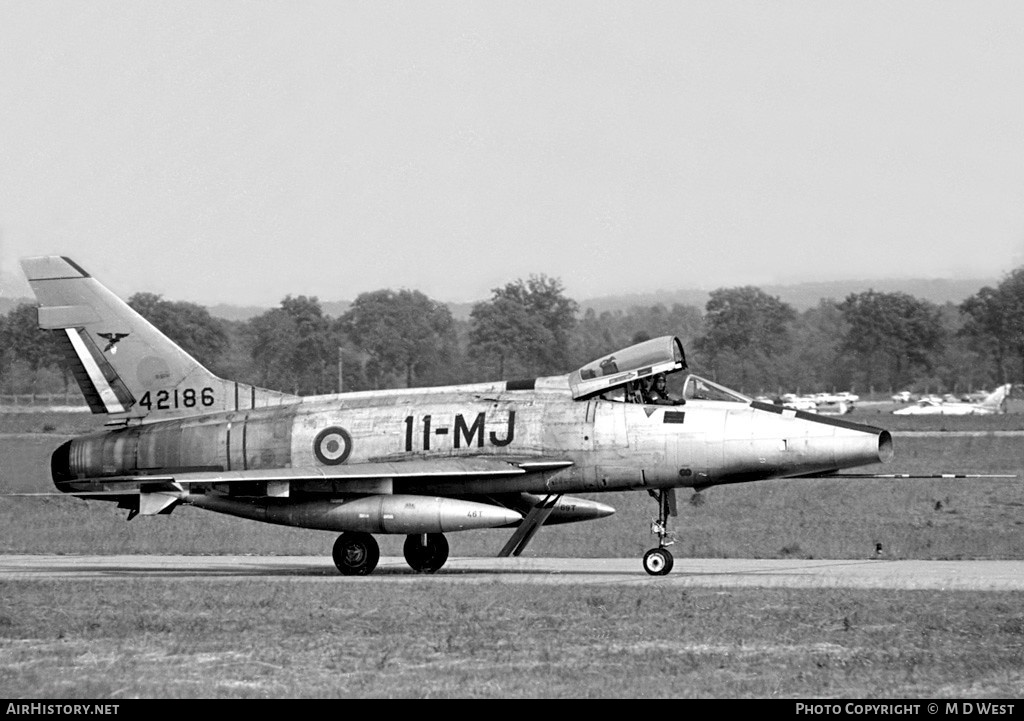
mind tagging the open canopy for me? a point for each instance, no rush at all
(658, 355)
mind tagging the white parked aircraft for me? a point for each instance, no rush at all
(799, 403)
(832, 404)
(993, 403)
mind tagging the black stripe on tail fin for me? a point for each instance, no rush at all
(103, 389)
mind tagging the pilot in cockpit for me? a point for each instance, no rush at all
(658, 393)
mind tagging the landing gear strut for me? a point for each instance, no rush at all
(356, 554)
(425, 552)
(659, 561)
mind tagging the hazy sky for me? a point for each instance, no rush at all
(237, 152)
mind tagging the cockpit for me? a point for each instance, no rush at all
(626, 375)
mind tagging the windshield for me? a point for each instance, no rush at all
(701, 389)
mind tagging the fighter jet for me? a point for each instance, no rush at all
(993, 403)
(419, 462)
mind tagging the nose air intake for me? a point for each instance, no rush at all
(885, 449)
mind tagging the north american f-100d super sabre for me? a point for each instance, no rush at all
(419, 462)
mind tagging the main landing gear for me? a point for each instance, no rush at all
(357, 553)
(659, 561)
(425, 552)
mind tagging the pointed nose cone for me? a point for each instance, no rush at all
(570, 509)
(459, 515)
(496, 516)
(601, 510)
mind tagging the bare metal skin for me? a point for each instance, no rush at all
(420, 462)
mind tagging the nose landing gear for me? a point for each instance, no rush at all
(659, 561)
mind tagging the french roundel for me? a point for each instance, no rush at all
(332, 445)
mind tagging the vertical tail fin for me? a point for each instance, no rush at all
(995, 402)
(123, 364)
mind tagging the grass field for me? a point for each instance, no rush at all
(335, 637)
(321, 639)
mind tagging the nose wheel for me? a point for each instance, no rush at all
(659, 561)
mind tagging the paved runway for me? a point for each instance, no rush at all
(688, 572)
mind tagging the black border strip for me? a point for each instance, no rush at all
(75, 265)
(825, 420)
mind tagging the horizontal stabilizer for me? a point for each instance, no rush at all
(131, 490)
(152, 504)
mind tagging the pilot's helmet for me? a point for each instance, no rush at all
(657, 377)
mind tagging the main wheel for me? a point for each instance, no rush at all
(658, 561)
(426, 557)
(356, 554)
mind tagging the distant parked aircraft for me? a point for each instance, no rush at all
(993, 403)
(800, 403)
(832, 404)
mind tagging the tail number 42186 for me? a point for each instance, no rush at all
(178, 398)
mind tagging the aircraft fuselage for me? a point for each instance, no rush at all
(612, 445)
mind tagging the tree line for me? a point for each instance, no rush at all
(743, 337)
